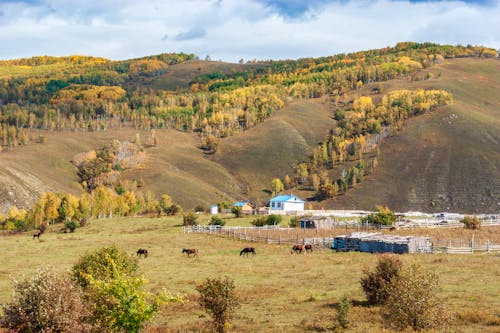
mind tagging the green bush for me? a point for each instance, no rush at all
(218, 298)
(237, 211)
(294, 222)
(190, 219)
(97, 265)
(217, 220)
(46, 302)
(375, 283)
(71, 225)
(412, 301)
(266, 220)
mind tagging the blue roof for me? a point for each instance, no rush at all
(240, 203)
(282, 198)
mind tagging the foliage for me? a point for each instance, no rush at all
(294, 222)
(277, 186)
(218, 298)
(102, 263)
(384, 216)
(46, 302)
(471, 222)
(375, 284)
(342, 315)
(217, 220)
(266, 220)
(190, 219)
(412, 300)
(237, 211)
(71, 225)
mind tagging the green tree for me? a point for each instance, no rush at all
(237, 211)
(376, 283)
(471, 222)
(218, 298)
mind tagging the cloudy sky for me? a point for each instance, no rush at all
(235, 29)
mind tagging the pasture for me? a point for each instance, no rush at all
(279, 292)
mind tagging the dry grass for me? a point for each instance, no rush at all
(279, 292)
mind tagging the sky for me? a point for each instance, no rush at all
(231, 30)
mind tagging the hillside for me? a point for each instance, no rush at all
(445, 160)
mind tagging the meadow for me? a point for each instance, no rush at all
(278, 292)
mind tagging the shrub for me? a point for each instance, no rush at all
(190, 219)
(273, 219)
(174, 210)
(71, 225)
(412, 300)
(294, 222)
(46, 302)
(237, 211)
(375, 283)
(97, 265)
(266, 220)
(218, 298)
(383, 216)
(342, 316)
(471, 222)
(199, 209)
(216, 220)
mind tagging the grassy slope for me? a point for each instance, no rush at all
(279, 292)
(450, 157)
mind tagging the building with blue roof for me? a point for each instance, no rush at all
(286, 203)
(246, 208)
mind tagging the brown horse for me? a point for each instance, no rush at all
(142, 252)
(309, 248)
(37, 234)
(248, 250)
(297, 249)
(190, 252)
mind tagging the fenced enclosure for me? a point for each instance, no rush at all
(323, 239)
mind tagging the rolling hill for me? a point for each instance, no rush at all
(445, 160)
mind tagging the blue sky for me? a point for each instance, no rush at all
(235, 29)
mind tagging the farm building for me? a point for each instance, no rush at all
(245, 207)
(286, 203)
(214, 209)
(316, 222)
(379, 243)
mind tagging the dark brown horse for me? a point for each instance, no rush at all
(190, 252)
(297, 249)
(309, 248)
(248, 250)
(37, 234)
(142, 252)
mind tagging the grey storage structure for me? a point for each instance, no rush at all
(379, 243)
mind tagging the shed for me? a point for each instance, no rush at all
(317, 222)
(245, 207)
(214, 209)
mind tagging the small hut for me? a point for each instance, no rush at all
(317, 222)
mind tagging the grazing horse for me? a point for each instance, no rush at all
(297, 249)
(37, 234)
(309, 248)
(190, 252)
(248, 250)
(143, 252)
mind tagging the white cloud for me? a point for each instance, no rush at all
(234, 29)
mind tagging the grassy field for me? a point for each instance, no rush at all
(279, 292)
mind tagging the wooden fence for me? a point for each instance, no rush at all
(284, 235)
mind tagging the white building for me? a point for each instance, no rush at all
(286, 203)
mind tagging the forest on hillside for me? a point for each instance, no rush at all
(83, 93)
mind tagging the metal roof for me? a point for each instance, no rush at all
(282, 198)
